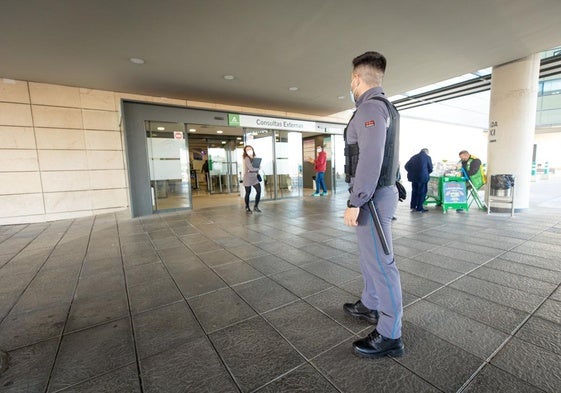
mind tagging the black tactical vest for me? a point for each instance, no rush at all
(390, 162)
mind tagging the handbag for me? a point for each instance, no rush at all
(401, 191)
(259, 178)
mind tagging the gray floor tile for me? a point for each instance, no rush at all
(416, 285)
(303, 379)
(29, 368)
(269, 264)
(300, 282)
(447, 262)
(470, 335)
(490, 313)
(512, 280)
(122, 380)
(192, 367)
(255, 353)
(493, 379)
(522, 269)
(550, 310)
(218, 309)
(532, 364)
(153, 294)
(533, 260)
(427, 271)
(542, 333)
(141, 274)
(331, 303)
(198, 281)
(237, 272)
(264, 294)
(514, 298)
(350, 373)
(87, 311)
(307, 329)
(330, 272)
(449, 366)
(89, 353)
(164, 328)
(217, 257)
(18, 330)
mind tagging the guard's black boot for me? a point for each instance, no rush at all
(376, 346)
(256, 209)
(360, 311)
(248, 210)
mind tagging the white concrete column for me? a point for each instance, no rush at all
(512, 123)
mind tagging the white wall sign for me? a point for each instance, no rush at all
(271, 123)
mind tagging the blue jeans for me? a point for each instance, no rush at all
(320, 182)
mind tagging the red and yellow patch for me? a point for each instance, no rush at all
(369, 123)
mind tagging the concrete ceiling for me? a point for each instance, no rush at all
(268, 46)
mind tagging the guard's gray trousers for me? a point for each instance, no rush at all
(382, 286)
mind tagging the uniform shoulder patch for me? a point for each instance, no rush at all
(369, 123)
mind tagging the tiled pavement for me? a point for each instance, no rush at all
(217, 301)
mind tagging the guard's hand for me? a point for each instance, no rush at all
(351, 216)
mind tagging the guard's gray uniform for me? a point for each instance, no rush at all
(382, 286)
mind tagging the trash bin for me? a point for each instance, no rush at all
(501, 185)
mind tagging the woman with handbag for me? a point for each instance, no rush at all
(251, 178)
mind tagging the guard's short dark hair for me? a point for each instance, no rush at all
(463, 152)
(373, 59)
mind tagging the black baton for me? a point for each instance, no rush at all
(378, 227)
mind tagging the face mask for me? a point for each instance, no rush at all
(318, 150)
(352, 93)
(249, 152)
(352, 97)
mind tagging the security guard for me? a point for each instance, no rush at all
(371, 150)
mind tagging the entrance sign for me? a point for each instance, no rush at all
(236, 120)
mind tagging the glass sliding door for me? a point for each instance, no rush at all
(281, 165)
(168, 161)
(223, 166)
(288, 153)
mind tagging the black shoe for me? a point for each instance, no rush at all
(375, 346)
(256, 209)
(248, 210)
(422, 211)
(360, 311)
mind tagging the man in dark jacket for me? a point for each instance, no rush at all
(418, 169)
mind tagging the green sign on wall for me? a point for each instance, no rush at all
(233, 120)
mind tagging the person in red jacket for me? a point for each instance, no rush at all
(320, 163)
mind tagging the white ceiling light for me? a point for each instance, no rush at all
(223, 142)
(293, 88)
(219, 131)
(192, 130)
(342, 97)
(136, 60)
(161, 128)
(229, 77)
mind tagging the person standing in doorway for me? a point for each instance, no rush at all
(250, 179)
(419, 168)
(372, 159)
(320, 164)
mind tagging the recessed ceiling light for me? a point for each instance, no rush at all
(229, 77)
(223, 142)
(293, 88)
(136, 60)
(239, 138)
(161, 128)
(219, 131)
(342, 97)
(192, 130)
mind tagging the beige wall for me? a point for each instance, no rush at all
(62, 149)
